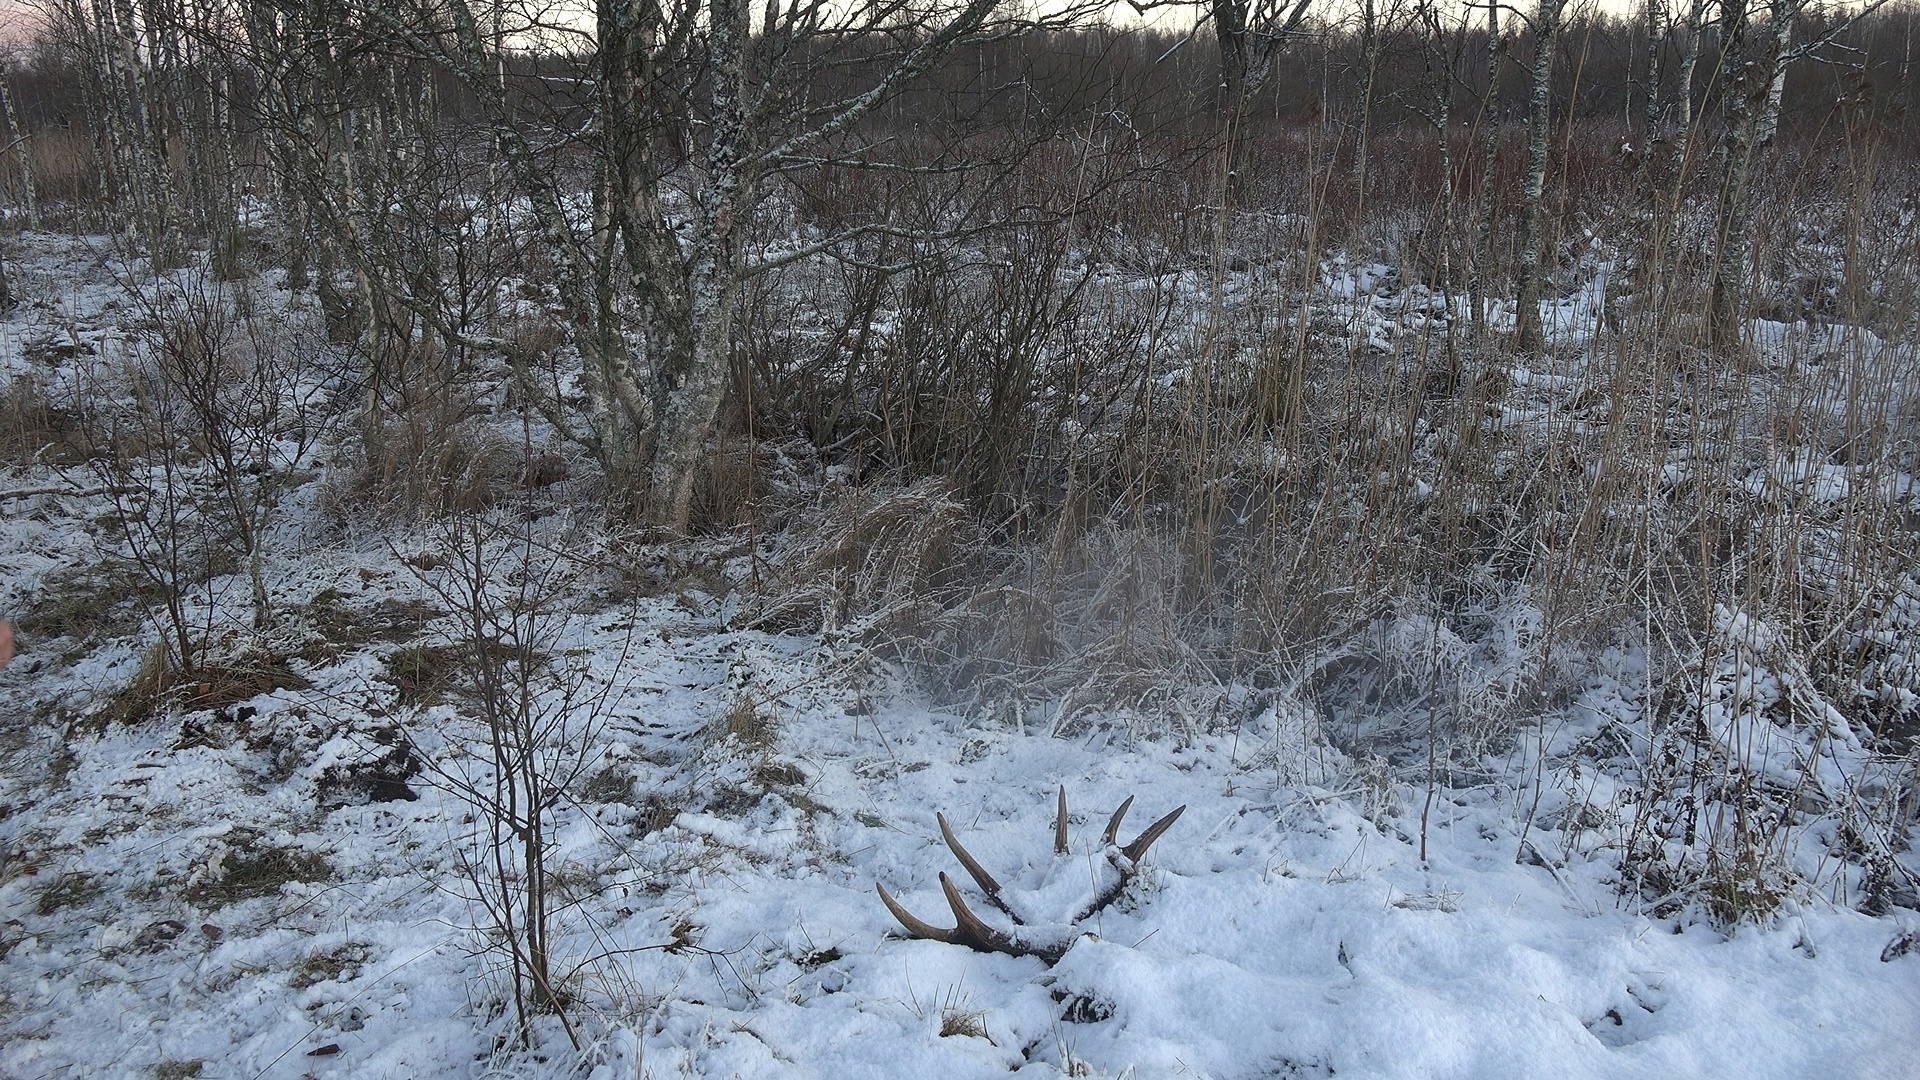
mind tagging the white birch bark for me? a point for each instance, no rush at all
(116, 115)
(1546, 35)
(1440, 68)
(29, 203)
(651, 300)
(1489, 150)
(278, 101)
(688, 397)
(1751, 57)
(1769, 120)
(1656, 30)
(152, 163)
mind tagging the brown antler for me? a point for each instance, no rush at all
(1047, 943)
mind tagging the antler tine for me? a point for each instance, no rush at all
(1060, 824)
(917, 927)
(1112, 835)
(1145, 840)
(974, 869)
(975, 932)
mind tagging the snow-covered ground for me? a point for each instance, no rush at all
(282, 886)
(1278, 930)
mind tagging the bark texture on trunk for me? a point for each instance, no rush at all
(1751, 57)
(1489, 149)
(1247, 39)
(29, 203)
(689, 387)
(695, 104)
(1230, 34)
(1546, 37)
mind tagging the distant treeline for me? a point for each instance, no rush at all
(1168, 80)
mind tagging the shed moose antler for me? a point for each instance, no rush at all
(1030, 937)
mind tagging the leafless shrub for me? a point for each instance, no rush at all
(537, 713)
(1289, 488)
(1173, 449)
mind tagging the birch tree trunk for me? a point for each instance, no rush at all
(1440, 69)
(1751, 58)
(117, 121)
(1230, 35)
(29, 204)
(1769, 120)
(693, 106)
(1673, 139)
(71, 22)
(279, 97)
(152, 160)
(1369, 69)
(1489, 150)
(1546, 36)
(1679, 122)
(1656, 30)
(689, 389)
(1247, 39)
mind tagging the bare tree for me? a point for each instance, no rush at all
(1755, 36)
(132, 108)
(1654, 17)
(1441, 53)
(688, 115)
(222, 407)
(538, 717)
(1248, 33)
(1489, 148)
(1546, 36)
(17, 141)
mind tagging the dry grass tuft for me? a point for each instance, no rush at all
(33, 429)
(874, 555)
(161, 686)
(749, 723)
(965, 1023)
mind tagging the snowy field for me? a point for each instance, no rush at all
(1278, 930)
(284, 884)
